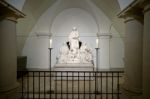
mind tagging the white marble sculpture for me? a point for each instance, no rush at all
(64, 50)
(75, 51)
(85, 53)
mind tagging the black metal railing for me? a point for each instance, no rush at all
(70, 84)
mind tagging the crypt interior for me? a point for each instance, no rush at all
(74, 49)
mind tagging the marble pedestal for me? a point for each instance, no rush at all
(74, 70)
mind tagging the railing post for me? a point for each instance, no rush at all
(96, 79)
(22, 95)
(50, 49)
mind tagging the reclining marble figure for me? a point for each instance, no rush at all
(74, 51)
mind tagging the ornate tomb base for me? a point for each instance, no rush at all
(74, 67)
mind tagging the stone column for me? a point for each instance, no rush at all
(8, 51)
(8, 57)
(132, 86)
(146, 52)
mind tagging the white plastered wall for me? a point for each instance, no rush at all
(18, 4)
(124, 3)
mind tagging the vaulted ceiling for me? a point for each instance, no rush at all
(111, 8)
(35, 8)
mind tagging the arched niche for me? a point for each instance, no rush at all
(71, 17)
(65, 21)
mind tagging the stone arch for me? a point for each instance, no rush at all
(74, 10)
(61, 7)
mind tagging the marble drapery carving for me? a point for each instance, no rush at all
(75, 51)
